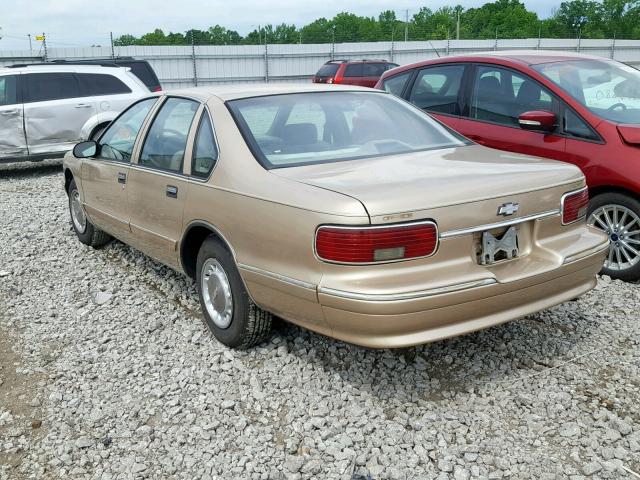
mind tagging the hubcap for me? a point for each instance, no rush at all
(77, 212)
(623, 227)
(216, 293)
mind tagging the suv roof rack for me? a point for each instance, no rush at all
(64, 62)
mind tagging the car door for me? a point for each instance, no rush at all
(106, 92)
(353, 74)
(13, 143)
(55, 111)
(495, 98)
(105, 177)
(157, 186)
(436, 90)
(371, 72)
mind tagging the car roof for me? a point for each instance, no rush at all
(234, 92)
(522, 57)
(360, 60)
(60, 67)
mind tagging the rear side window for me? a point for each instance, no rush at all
(328, 70)
(167, 138)
(354, 70)
(396, 83)
(374, 69)
(8, 90)
(41, 87)
(144, 72)
(101, 84)
(436, 88)
(205, 152)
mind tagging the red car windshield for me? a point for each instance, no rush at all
(609, 89)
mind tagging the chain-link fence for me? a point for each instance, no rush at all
(188, 65)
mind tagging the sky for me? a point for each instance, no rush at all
(70, 23)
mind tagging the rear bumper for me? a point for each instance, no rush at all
(412, 318)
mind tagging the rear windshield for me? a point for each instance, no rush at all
(310, 128)
(328, 70)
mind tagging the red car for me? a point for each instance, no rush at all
(576, 108)
(364, 73)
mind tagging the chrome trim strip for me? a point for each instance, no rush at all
(505, 223)
(374, 297)
(375, 227)
(563, 198)
(586, 253)
(277, 276)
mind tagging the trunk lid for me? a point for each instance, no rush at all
(417, 185)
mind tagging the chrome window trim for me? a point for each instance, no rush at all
(563, 198)
(393, 297)
(586, 253)
(505, 223)
(277, 276)
(375, 227)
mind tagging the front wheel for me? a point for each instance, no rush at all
(228, 311)
(618, 215)
(87, 233)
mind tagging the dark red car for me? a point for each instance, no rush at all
(576, 108)
(364, 73)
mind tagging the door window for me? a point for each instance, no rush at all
(101, 84)
(436, 89)
(166, 141)
(576, 127)
(118, 141)
(8, 90)
(501, 96)
(374, 69)
(42, 87)
(396, 83)
(205, 152)
(354, 70)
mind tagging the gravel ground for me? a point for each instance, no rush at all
(107, 371)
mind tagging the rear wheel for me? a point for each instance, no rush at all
(618, 215)
(228, 311)
(87, 233)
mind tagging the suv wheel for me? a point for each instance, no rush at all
(87, 233)
(619, 217)
(228, 311)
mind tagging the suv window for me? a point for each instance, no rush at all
(354, 70)
(42, 87)
(436, 88)
(396, 83)
(328, 70)
(375, 69)
(167, 138)
(8, 90)
(205, 152)
(101, 84)
(501, 96)
(117, 141)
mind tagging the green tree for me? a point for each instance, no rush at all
(507, 18)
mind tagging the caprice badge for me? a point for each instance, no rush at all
(507, 209)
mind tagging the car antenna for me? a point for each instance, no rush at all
(433, 48)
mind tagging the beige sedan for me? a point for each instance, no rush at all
(344, 210)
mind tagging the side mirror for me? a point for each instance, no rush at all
(538, 120)
(85, 149)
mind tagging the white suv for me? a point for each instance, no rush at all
(45, 109)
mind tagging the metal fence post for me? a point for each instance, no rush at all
(613, 46)
(391, 52)
(266, 62)
(44, 46)
(193, 61)
(113, 52)
(448, 43)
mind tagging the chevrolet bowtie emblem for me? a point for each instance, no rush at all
(507, 209)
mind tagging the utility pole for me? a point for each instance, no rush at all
(113, 53)
(406, 25)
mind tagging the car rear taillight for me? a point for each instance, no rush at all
(157, 89)
(377, 243)
(574, 205)
(337, 79)
(330, 80)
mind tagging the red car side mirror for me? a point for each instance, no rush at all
(538, 120)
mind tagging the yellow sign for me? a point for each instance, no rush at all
(40, 37)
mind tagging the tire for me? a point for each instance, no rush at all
(244, 325)
(87, 233)
(623, 213)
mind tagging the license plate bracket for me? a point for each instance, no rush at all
(496, 249)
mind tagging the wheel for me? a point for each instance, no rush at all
(87, 233)
(618, 215)
(228, 311)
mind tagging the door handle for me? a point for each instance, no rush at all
(122, 178)
(9, 112)
(83, 105)
(172, 191)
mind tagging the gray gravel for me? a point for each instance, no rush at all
(107, 371)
